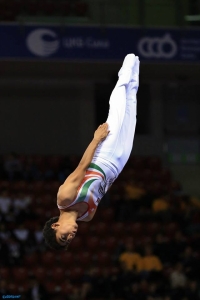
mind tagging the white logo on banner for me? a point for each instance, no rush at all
(40, 47)
(158, 47)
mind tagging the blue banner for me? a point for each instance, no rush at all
(98, 43)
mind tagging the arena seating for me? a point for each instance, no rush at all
(32, 197)
(13, 9)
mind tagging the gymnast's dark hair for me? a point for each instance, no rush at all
(50, 235)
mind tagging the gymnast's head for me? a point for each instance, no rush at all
(59, 233)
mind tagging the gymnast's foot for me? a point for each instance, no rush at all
(125, 72)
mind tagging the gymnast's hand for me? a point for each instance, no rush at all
(102, 132)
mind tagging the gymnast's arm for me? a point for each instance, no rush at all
(68, 189)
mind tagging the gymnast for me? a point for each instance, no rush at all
(105, 157)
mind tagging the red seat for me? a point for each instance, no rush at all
(35, 187)
(58, 274)
(45, 201)
(5, 273)
(19, 186)
(80, 8)
(144, 240)
(76, 244)
(31, 260)
(48, 7)
(103, 258)
(40, 273)
(11, 8)
(31, 224)
(22, 157)
(83, 228)
(76, 273)
(39, 211)
(154, 163)
(97, 271)
(19, 274)
(107, 214)
(167, 271)
(66, 258)
(52, 287)
(48, 259)
(136, 229)
(52, 212)
(117, 229)
(165, 176)
(23, 287)
(170, 229)
(51, 187)
(32, 9)
(13, 288)
(3, 5)
(156, 188)
(101, 229)
(110, 244)
(65, 8)
(114, 271)
(146, 176)
(39, 160)
(196, 217)
(152, 228)
(67, 288)
(54, 162)
(4, 184)
(84, 258)
(137, 162)
(175, 186)
(93, 243)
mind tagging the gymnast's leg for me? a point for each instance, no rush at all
(117, 111)
(122, 116)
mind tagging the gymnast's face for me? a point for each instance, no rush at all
(65, 231)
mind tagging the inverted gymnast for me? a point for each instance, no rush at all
(105, 157)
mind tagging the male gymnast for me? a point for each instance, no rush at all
(78, 197)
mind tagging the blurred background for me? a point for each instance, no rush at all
(58, 65)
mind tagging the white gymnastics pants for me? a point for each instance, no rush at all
(115, 150)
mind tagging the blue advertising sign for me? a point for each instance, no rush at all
(98, 43)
